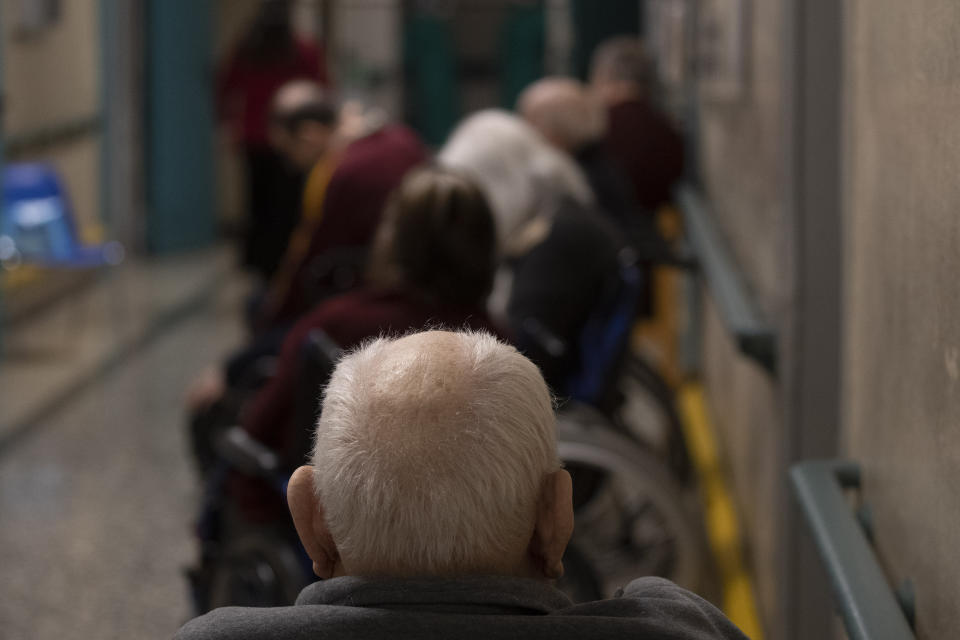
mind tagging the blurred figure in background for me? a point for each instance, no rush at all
(354, 158)
(640, 138)
(432, 264)
(572, 120)
(560, 253)
(269, 56)
(354, 162)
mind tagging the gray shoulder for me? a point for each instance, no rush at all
(237, 623)
(652, 586)
(684, 607)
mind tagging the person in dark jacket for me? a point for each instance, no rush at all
(643, 140)
(573, 120)
(560, 252)
(435, 506)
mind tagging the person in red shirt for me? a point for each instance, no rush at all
(432, 265)
(269, 56)
(640, 137)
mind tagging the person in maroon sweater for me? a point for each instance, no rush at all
(432, 266)
(360, 160)
(368, 168)
(268, 56)
(640, 137)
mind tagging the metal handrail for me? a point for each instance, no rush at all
(755, 337)
(868, 606)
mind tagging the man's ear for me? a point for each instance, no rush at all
(554, 525)
(308, 518)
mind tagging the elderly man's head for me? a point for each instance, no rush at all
(621, 69)
(435, 455)
(564, 112)
(302, 123)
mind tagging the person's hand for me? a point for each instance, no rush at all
(208, 387)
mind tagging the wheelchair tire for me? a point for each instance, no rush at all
(580, 580)
(632, 518)
(643, 407)
(258, 569)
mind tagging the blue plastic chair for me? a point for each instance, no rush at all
(37, 224)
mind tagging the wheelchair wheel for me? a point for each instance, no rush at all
(580, 580)
(258, 570)
(643, 407)
(632, 517)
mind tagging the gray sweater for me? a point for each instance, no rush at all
(467, 608)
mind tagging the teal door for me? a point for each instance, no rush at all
(180, 125)
(593, 26)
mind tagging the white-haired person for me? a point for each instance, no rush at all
(560, 252)
(436, 507)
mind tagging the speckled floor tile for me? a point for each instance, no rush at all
(95, 506)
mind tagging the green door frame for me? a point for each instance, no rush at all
(180, 127)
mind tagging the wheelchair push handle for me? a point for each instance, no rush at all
(245, 454)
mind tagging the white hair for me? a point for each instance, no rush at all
(522, 175)
(431, 452)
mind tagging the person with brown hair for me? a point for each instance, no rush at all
(433, 263)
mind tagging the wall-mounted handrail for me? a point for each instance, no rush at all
(42, 138)
(755, 337)
(868, 606)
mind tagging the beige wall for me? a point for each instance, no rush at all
(902, 330)
(742, 168)
(51, 78)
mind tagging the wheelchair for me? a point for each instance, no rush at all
(246, 564)
(632, 396)
(620, 436)
(632, 518)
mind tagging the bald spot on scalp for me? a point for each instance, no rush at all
(420, 402)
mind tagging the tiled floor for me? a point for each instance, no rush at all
(96, 501)
(46, 356)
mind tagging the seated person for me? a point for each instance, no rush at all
(560, 252)
(432, 265)
(436, 507)
(572, 120)
(357, 159)
(354, 160)
(640, 138)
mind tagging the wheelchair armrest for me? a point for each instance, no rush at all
(656, 252)
(542, 338)
(237, 448)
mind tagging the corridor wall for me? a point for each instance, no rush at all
(741, 167)
(902, 315)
